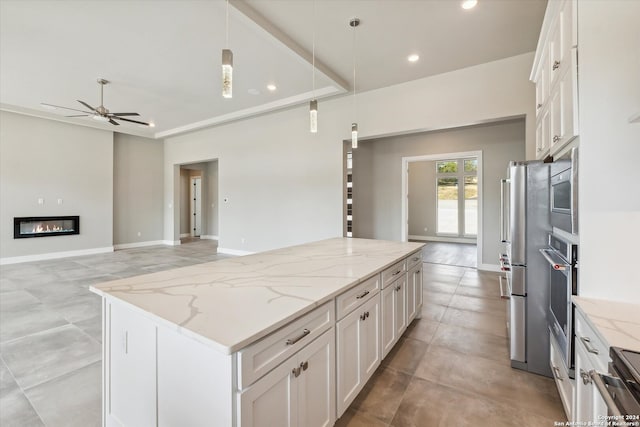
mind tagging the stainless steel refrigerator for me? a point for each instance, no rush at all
(524, 228)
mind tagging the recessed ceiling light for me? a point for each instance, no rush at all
(413, 58)
(271, 87)
(469, 4)
(152, 125)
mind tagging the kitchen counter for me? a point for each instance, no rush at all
(618, 323)
(231, 303)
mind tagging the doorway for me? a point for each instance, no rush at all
(442, 206)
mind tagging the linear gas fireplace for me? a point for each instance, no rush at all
(43, 226)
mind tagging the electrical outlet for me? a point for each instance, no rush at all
(60, 201)
(40, 201)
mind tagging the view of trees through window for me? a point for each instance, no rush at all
(457, 207)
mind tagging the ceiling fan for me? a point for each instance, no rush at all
(101, 113)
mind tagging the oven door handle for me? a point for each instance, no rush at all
(599, 381)
(558, 263)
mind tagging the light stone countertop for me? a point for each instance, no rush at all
(617, 322)
(233, 302)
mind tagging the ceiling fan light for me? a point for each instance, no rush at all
(227, 73)
(100, 118)
(313, 116)
(469, 4)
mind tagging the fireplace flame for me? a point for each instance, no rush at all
(46, 229)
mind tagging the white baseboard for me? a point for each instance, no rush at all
(54, 255)
(490, 267)
(138, 244)
(185, 235)
(234, 252)
(208, 237)
(171, 242)
(443, 239)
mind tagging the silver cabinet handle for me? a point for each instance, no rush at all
(556, 372)
(554, 260)
(416, 258)
(586, 379)
(599, 381)
(398, 287)
(362, 295)
(296, 372)
(304, 365)
(364, 315)
(304, 333)
(587, 343)
(556, 65)
(504, 293)
(397, 272)
(556, 138)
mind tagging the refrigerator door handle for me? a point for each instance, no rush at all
(504, 215)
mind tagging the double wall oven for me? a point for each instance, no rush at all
(562, 259)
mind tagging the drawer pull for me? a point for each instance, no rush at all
(587, 343)
(556, 65)
(364, 316)
(304, 333)
(304, 365)
(416, 258)
(397, 272)
(362, 295)
(556, 138)
(556, 371)
(296, 372)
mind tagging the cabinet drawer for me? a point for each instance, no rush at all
(565, 385)
(586, 338)
(414, 259)
(392, 273)
(257, 359)
(356, 296)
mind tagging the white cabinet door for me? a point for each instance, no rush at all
(316, 382)
(400, 313)
(556, 118)
(271, 400)
(358, 349)
(370, 339)
(387, 325)
(414, 292)
(132, 354)
(590, 406)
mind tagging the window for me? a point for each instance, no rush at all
(457, 197)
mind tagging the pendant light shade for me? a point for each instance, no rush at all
(313, 116)
(354, 135)
(227, 73)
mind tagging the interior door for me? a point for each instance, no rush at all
(196, 206)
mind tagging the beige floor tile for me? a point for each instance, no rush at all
(406, 355)
(471, 341)
(428, 404)
(485, 305)
(432, 311)
(353, 418)
(382, 394)
(485, 322)
(422, 329)
(436, 298)
(441, 287)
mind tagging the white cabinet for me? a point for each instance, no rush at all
(394, 314)
(357, 351)
(414, 292)
(591, 354)
(299, 392)
(132, 354)
(555, 75)
(566, 385)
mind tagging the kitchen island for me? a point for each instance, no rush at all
(283, 337)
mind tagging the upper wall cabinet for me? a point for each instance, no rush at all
(555, 74)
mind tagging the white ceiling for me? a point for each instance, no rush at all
(163, 57)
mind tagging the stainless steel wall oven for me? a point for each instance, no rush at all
(562, 259)
(563, 191)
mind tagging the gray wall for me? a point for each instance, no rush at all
(52, 160)
(422, 196)
(137, 189)
(377, 176)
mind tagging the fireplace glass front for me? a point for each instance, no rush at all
(45, 226)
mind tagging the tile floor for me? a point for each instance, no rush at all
(450, 368)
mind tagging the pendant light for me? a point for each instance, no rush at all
(354, 126)
(313, 104)
(227, 63)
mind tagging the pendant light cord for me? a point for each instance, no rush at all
(313, 53)
(227, 25)
(354, 72)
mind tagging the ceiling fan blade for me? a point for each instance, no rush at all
(66, 108)
(113, 122)
(123, 114)
(132, 121)
(79, 115)
(86, 105)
